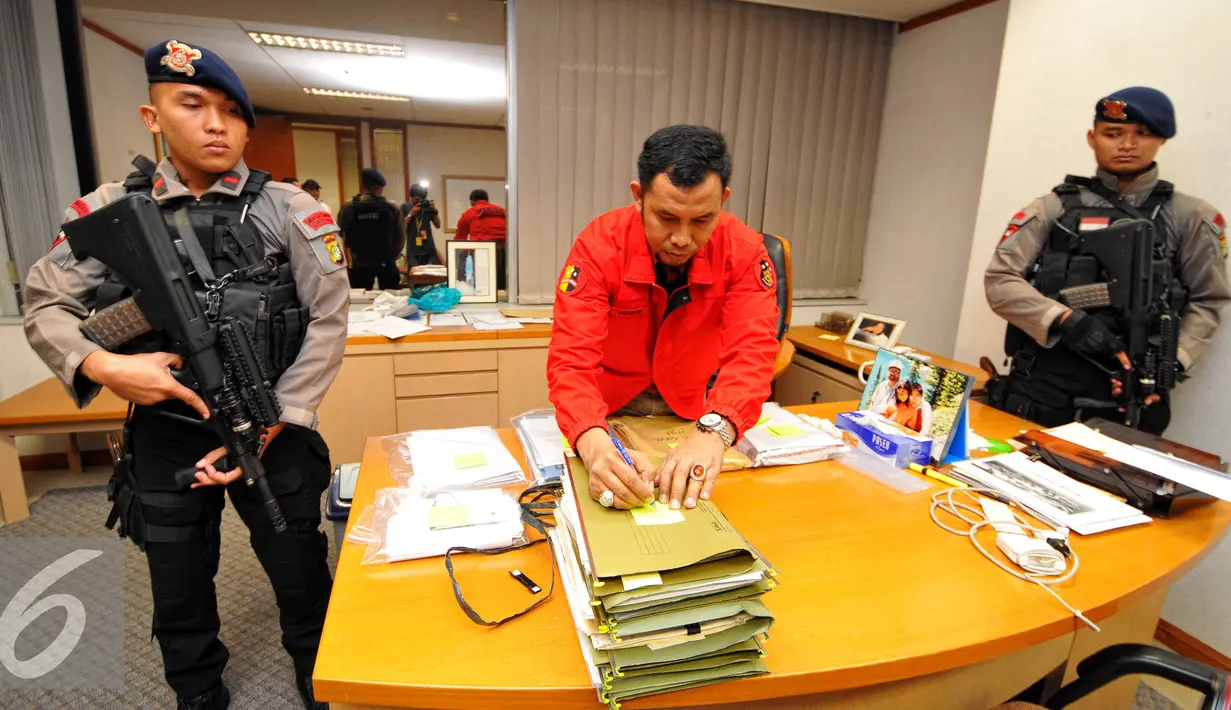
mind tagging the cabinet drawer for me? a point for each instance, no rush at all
(448, 361)
(459, 383)
(447, 412)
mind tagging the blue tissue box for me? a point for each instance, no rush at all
(900, 448)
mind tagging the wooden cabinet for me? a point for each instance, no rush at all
(809, 381)
(522, 377)
(359, 404)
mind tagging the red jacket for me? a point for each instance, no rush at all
(610, 341)
(482, 221)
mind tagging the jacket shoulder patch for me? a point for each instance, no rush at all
(1021, 219)
(571, 279)
(1218, 224)
(765, 273)
(315, 223)
(318, 227)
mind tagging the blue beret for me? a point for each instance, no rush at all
(178, 63)
(372, 176)
(1139, 104)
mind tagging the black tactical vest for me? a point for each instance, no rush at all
(1057, 267)
(267, 304)
(370, 236)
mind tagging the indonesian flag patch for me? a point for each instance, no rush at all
(1092, 223)
(570, 279)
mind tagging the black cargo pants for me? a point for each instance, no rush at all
(182, 543)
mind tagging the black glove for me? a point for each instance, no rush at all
(1089, 336)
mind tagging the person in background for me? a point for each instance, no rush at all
(420, 216)
(485, 221)
(373, 231)
(664, 306)
(313, 188)
(1061, 354)
(198, 105)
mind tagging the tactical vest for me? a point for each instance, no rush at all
(369, 236)
(267, 304)
(1058, 267)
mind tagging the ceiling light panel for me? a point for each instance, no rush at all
(323, 44)
(334, 93)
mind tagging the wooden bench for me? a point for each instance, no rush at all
(47, 409)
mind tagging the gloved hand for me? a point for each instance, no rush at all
(1089, 336)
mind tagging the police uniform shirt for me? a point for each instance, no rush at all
(1201, 256)
(60, 290)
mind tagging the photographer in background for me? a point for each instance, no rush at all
(420, 215)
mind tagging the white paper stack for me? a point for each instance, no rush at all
(429, 270)
(782, 438)
(1050, 495)
(452, 459)
(492, 320)
(429, 526)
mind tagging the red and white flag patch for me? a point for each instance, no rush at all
(1092, 223)
(1019, 220)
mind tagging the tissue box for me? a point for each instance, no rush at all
(899, 448)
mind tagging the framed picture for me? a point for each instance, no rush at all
(456, 196)
(873, 332)
(472, 270)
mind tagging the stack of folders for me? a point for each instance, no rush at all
(781, 438)
(662, 599)
(543, 443)
(452, 459)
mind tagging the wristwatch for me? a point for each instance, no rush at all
(720, 426)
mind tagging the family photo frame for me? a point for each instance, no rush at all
(873, 332)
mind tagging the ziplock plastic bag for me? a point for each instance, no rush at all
(433, 460)
(405, 524)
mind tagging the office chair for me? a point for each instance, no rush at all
(780, 255)
(1124, 659)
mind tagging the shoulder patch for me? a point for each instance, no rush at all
(1019, 220)
(765, 274)
(571, 279)
(318, 227)
(61, 253)
(315, 223)
(1218, 224)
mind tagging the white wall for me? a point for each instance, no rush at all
(434, 151)
(929, 170)
(1059, 58)
(316, 158)
(117, 88)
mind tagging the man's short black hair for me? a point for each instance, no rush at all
(310, 185)
(476, 195)
(686, 153)
(290, 180)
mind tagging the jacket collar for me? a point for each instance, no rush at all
(1137, 192)
(639, 263)
(167, 185)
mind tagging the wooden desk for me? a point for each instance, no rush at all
(46, 409)
(878, 607)
(825, 370)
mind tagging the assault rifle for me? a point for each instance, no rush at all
(130, 237)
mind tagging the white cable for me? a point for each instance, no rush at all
(944, 501)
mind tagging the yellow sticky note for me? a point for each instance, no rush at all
(657, 514)
(783, 430)
(763, 420)
(672, 444)
(472, 460)
(829, 337)
(448, 516)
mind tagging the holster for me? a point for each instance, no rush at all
(125, 500)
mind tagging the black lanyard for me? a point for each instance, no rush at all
(538, 503)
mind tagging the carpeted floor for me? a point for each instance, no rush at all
(259, 673)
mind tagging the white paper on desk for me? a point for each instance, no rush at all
(362, 316)
(1186, 473)
(434, 454)
(449, 319)
(533, 320)
(509, 325)
(408, 534)
(488, 317)
(393, 328)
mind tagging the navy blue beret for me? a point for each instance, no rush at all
(1139, 104)
(372, 176)
(175, 62)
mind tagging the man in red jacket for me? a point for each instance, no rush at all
(482, 221)
(664, 306)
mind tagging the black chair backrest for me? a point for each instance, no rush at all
(778, 255)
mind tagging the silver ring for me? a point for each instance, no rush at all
(607, 499)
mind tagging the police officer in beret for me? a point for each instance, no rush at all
(1055, 349)
(373, 230)
(298, 318)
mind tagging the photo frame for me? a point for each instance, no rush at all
(456, 196)
(873, 332)
(472, 270)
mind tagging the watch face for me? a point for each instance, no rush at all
(711, 421)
